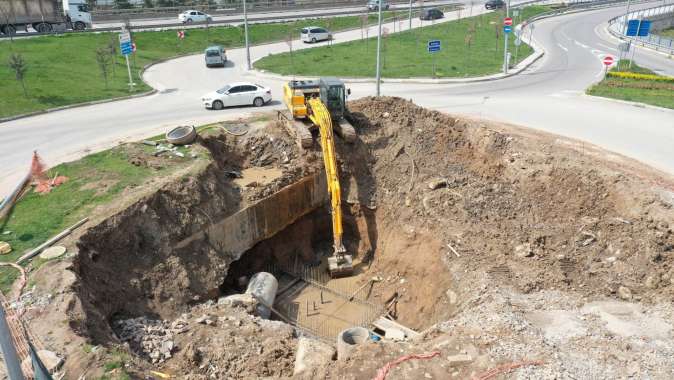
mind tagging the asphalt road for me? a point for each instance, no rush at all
(548, 96)
(278, 15)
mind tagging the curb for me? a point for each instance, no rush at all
(629, 103)
(102, 101)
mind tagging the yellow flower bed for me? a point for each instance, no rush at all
(628, 75)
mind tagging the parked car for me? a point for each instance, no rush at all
(237, 94)
(431, 14)
(373, 5)
(191, 16)
(215, 56)
(494, 4)
(315, 34)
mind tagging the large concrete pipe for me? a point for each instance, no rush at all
(263, 286)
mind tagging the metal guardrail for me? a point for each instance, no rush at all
(652, 41)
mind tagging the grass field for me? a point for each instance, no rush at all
(92, 181)
(62, 70)
(653, 92)
(404, 54)
(669, 33)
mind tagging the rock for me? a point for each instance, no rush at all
(244, 300)
(394, 334)
(624, 293)
(201, 319)
(167, 346)
(524, 250)
(452, 296)
(311, 356)
(437, 183)
(385, 115)
(460, 359)
(652, 281)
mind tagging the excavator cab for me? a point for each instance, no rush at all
(333, 95)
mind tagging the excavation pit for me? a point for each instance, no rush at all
(441, 210)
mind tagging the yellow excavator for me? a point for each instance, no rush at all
(322, 104)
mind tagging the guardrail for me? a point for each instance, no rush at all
(616, 26)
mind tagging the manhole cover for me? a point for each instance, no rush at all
(53, 252)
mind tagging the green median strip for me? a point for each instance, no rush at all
(68, 69)
(471, 46)
(636, 84)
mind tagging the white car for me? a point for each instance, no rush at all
(237, 94)
(315, 34)
(191, 16)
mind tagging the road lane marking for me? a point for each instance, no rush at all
(581, 44)
(563, 48)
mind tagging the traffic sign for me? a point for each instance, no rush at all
(608, 60)
(433, 46)
(125, 42)
(181, 34)
(638, 28)
(518, 41)
(507, 21)
(507, 28)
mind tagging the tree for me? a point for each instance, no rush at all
(103, 60)
(122, 4)
(148, 4)
(18, 65)
(112, 51)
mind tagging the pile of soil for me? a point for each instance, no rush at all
(519, 205)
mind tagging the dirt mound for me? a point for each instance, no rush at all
(525, 208)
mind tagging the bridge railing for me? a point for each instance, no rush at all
(617, 27)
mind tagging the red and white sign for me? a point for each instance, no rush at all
(181, 34)
(507, 21)
(608, 60)
(133, 47)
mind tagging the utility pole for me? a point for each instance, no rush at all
(410, 16)
(9, 354)
(245, 32)
(505, 50)
(627, 10)
(379, 50)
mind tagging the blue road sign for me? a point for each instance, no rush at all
(126, 48)
(639, 28)
(507, 28)
(434, 46)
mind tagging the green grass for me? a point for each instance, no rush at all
(669, 33)
(404, 54)
(636, 90)
(62, 70)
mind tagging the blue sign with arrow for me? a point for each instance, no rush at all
(507, 28)
(433, 46)
(638, 28)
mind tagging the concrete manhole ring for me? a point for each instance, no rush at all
(53, 252)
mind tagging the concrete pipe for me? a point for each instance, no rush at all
(348, 339)
(263, 286)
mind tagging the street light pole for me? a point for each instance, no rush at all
(410, 16)
(245, 32)
(505, 50)
(379, 50)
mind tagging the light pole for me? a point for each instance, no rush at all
(410, 16)
(245, 32)
(505, 50)
(379, 49)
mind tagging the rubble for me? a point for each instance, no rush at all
(150, 338)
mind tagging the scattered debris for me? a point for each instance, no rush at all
(437, 183)
(150, 143)
(460, 359)
(506, 368)
(150, 338)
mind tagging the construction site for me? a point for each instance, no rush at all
(442, 247)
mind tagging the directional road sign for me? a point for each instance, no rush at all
(181, 34)
(125, 43)
(507, 21)
(638, 28)
(433, 46)
(608, 60)
(507, 28)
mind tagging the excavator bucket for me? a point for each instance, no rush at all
(340, 266)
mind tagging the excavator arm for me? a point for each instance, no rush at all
(340, 264)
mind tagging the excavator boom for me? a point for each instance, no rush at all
(339, 264)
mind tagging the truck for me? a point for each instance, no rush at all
(44, 16)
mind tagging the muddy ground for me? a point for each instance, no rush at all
(499, 244)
